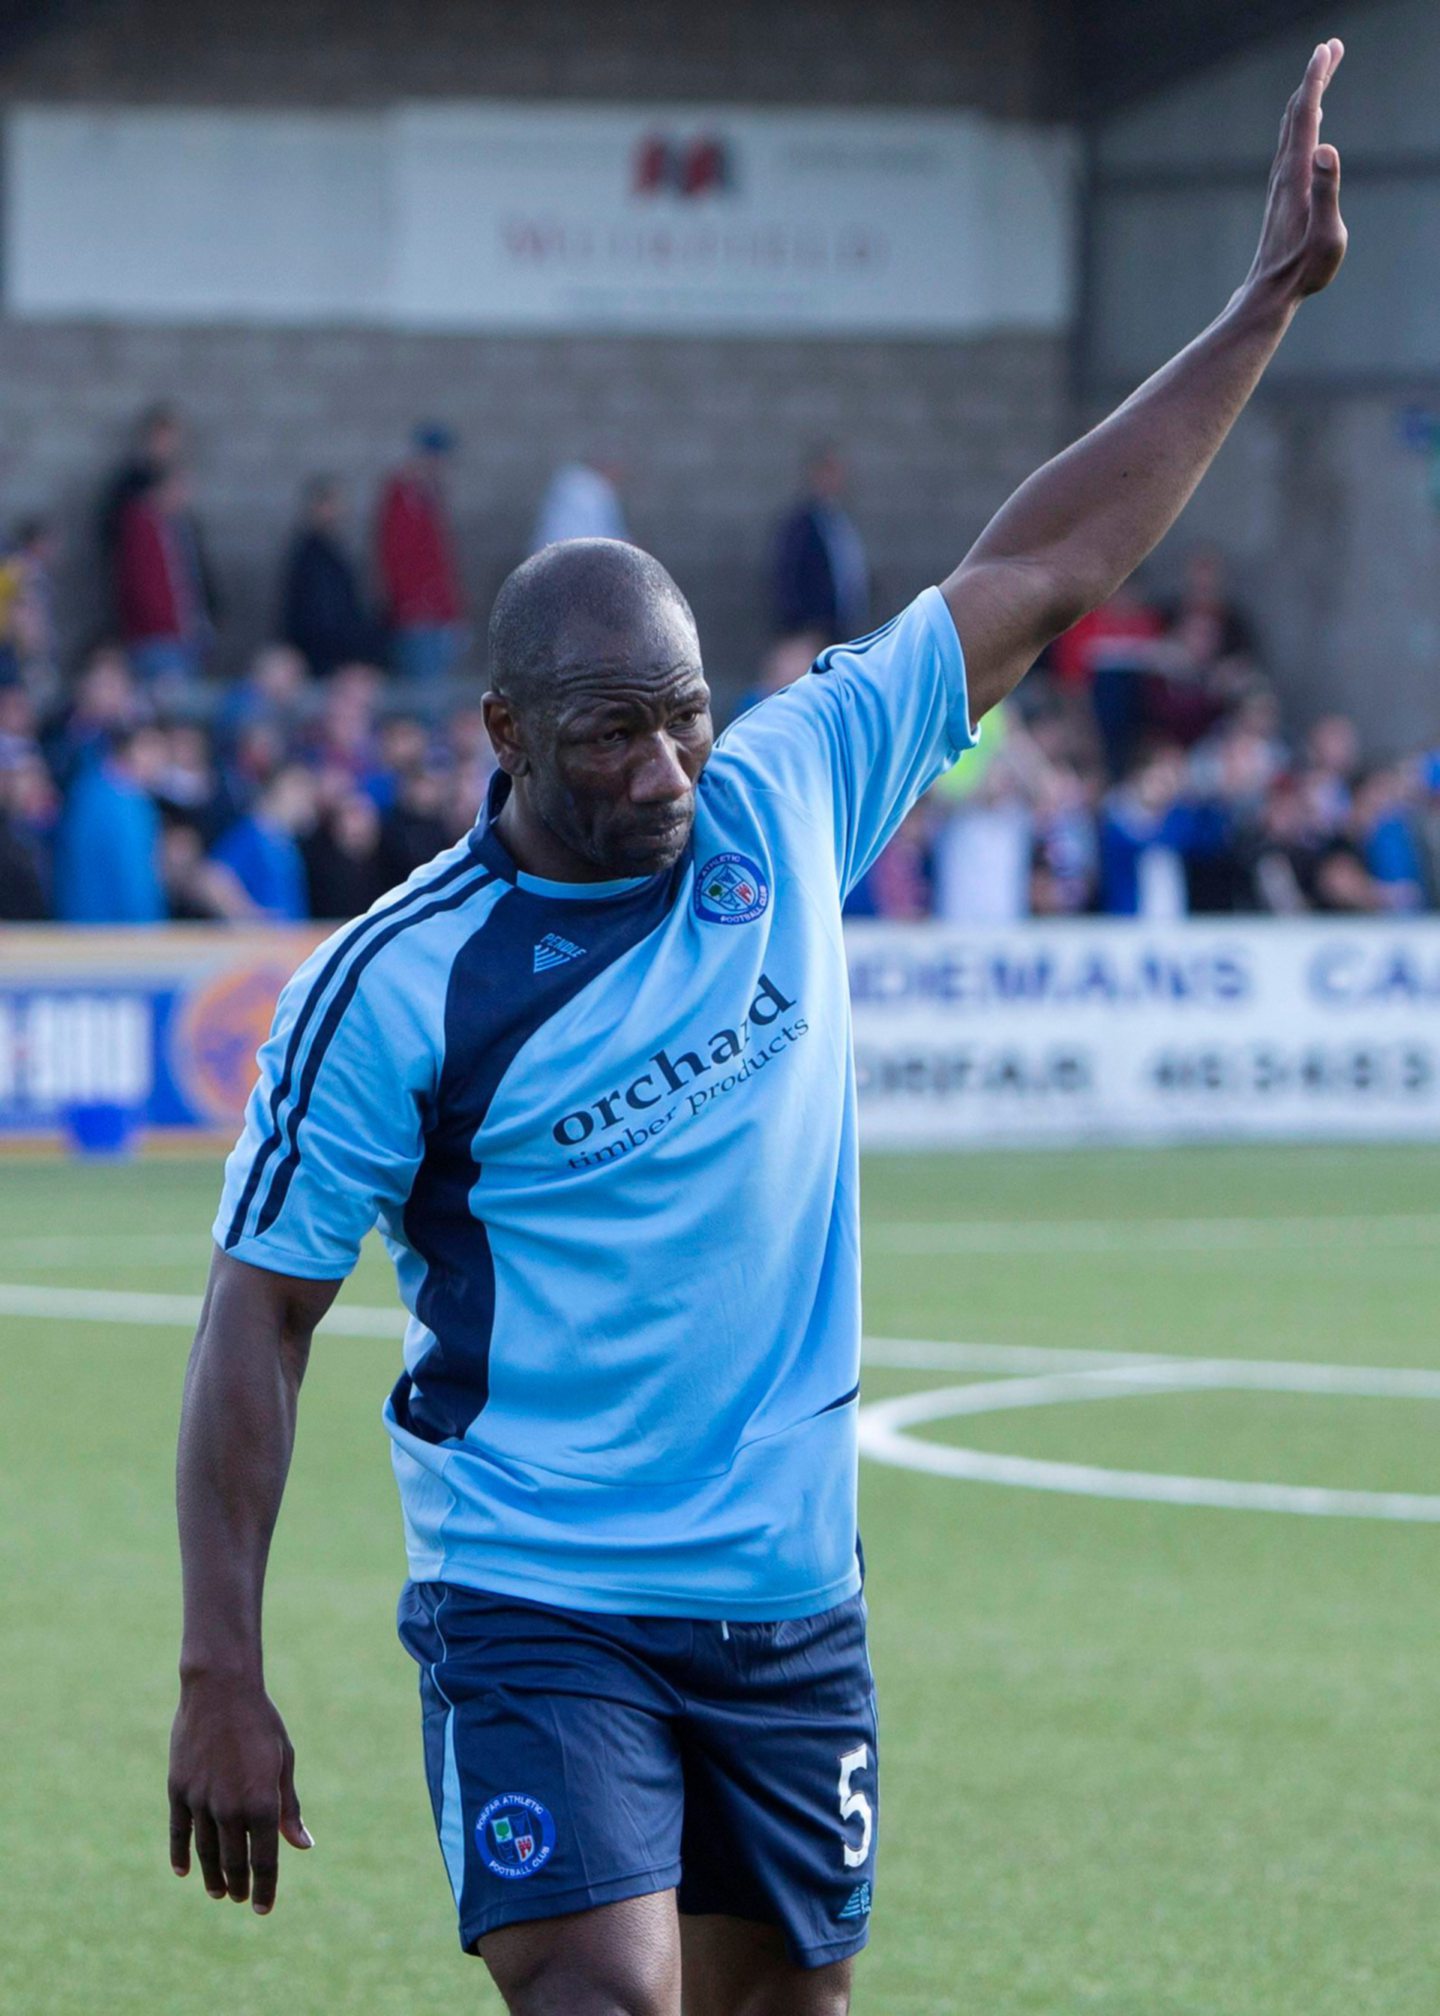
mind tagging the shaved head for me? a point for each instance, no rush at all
(598, 712)
(576, 589)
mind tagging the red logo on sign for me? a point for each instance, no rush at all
(664, 165)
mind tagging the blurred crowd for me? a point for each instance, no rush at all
(1145, 769)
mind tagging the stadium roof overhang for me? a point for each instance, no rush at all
(1122, 50)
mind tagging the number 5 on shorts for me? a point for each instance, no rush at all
(854, 1805)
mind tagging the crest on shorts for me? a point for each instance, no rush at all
(730, 889)
(515, 1835)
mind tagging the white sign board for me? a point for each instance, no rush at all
(1101, 1030)
(721, 219)
(727, 219)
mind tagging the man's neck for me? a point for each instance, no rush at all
(537, 851)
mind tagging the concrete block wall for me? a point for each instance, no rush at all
(712, 433)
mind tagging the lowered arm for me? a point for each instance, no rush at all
(232, 1782)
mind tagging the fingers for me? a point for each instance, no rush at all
(265, 1864)
(238, 1859)
(1327, 227)
(291, 1825)
(1318, 72)
(235, 1859)
(207, 1851)
(179, 1836)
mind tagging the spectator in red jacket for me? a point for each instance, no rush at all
(159, 591)
(419, 578)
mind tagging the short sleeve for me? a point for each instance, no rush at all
(334, 1127)
(866, 731)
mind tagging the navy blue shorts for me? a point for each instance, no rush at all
(576, 1759)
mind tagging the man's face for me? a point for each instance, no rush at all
(610, 764)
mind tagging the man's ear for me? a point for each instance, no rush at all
(505, 737)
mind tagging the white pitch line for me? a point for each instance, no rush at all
(352, 1319)
(885, 1435)
(885, 1424)
(917, 1354)
(16, 1248)
(1133, 1236)
(357, 1320)
(180, 1312)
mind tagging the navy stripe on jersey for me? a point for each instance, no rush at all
(857, 644)
(344, 994)
(302, 1022)
(495, 1003)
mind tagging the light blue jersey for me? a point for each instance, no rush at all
(608, 1133)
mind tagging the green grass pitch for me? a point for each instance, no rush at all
(1139, 1759)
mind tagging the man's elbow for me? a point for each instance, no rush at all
(1022, 602)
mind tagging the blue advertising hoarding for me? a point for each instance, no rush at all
(161, 1024)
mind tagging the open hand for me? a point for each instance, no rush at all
(232, 1781)
(1303, 237)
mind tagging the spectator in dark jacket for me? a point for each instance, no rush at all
(25, 788)
(341, 857)
(322, 611)
(822, 577)
(415, 828)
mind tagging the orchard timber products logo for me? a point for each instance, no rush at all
(676, 1081)
(730, 889)
(515, 1834)
(666, 166)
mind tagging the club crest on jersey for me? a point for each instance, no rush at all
(730, 889)
(515, 1835)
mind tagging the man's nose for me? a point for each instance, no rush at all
(659, 777)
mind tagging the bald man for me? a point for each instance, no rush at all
(590, 1073)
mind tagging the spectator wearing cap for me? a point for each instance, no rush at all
(322, 611)
(419, 578)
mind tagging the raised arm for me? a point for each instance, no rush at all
(231, 1764)
(1072, 533)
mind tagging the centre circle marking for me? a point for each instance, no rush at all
(885, 1435)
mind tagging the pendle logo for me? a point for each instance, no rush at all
(553, 950)
(665, 166)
